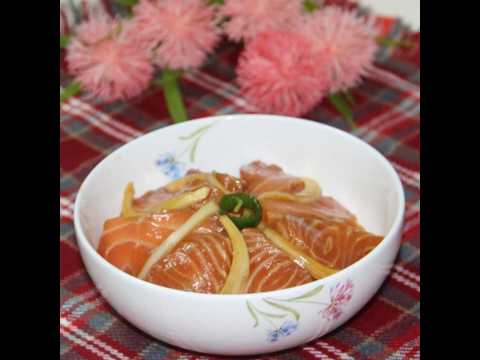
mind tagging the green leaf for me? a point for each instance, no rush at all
(307, 295)
(349, 96)
(284, 308)
(194, 150)
(127, 3)
(270, 315)
(72, 89)
(394, 42)
(252, 312)
(173, 96)
(342, 107)
(195, 133)
(213, 2)
(65, 40)
(310, 5)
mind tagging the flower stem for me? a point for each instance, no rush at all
(342, 107)
(72, 89)
(310, 5)
(64, 41)
(173, 96)
(394, 42)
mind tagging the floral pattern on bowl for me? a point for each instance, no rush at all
(284, 320)
(172, 165)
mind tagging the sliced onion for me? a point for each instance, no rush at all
(316, 269)
(240, 269)
(127, 203)
(182, 200)
(178, 202)
(213, 181)
(174, 239)
(279, 195)
(178, 184)
(311, 189)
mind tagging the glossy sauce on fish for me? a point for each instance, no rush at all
(200, 258)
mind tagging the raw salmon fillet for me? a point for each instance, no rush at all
(200, 263)
(127, 242)
(270, 268)
(260, 177)
(335, 243)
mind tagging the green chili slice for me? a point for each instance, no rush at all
(243, 209)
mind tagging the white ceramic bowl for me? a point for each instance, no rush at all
(346, 168)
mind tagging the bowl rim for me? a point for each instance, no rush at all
(388, 238)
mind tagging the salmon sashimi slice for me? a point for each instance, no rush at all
(260, 177)
(270, 268)
(226, 183)
(322, 208)
(200, 263)
(128, 242)
(334, 243)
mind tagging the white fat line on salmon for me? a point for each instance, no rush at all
(174, 238)
(268, 259)
(106, 119)
(76, 340)
(406, 272)
(316, 353)
(392, 79)
(334, 350)
(404, 349)
(212, 258)
(101, 345)
(272, 271)
(292, 276)
(402, 280)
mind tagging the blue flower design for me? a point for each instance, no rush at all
(170, 166)
(287, 328)
(273, 335)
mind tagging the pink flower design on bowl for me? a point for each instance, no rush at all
(340, 294)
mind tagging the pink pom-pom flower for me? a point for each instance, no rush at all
(347, 41)
(180, 33)
(107, 62)
(278, 74)
(247, 18)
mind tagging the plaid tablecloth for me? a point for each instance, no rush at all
(387, 111)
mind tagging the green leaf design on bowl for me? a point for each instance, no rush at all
(283, 307)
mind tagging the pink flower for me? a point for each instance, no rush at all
(107, 62)
(251, 17)
(346, 40)
(180, 32)
(339, 295)
(277, 74)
